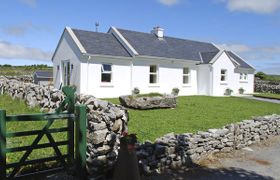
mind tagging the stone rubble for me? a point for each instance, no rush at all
(266, 86)
(165, 101)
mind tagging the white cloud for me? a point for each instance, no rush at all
(13, 51)
(22, 29)
(30, 3)
(236, 47)
(256, 6)
(169, 2)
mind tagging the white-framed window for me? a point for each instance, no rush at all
(106, 73)
(243, 76)
(153, 74)
(223, 75)
(186, 75)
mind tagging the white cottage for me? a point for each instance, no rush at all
(114, 63)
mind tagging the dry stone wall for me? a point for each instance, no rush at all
(173, 151)
(106, 121)
(267, 87)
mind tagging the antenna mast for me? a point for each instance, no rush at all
(96, 26)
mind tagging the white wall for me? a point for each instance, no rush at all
(233, 82)
(170, 75)
(67, 50)
(91, 77)
(204, 79)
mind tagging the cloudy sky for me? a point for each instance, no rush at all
(30, 29)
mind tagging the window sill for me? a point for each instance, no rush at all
(186, 85)
(106, 85)
(243, 81)
(223, 83)
(153, 85)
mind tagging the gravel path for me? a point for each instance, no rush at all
(261, 99)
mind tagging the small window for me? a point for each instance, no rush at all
(186, 75)
(243, 76)
(223, 75)
(106, 73)
(153, 74)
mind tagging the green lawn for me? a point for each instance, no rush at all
(13, 107)
(195, 113)
(268, 95)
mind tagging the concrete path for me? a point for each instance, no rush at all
(261, 161)
(260, 99)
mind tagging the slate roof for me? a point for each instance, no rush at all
(147, 44)
(44, 74)
(100, 43)
(208, 56)
(242, 63)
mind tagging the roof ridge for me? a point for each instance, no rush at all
(90, 31)
(167, 36)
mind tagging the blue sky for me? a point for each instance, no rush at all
(30, 29)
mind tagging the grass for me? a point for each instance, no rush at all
(268, 95)
(16, 106)
(195, 113)
(21, 70)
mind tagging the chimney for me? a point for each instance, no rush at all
(158, 31)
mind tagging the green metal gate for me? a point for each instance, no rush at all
(75, 142)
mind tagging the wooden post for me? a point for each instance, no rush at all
(2, 144)
(81, 144)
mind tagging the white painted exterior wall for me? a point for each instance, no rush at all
(128, 73)
(67, 51)
(91, 77)
(170, 75)
(233, 82)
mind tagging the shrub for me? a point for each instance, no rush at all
(241, 90)
(135, 91)
(228, 91)
(175, 91)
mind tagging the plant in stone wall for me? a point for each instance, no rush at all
(228, 91)
(241, 90)
(135, 91)
(175, 91)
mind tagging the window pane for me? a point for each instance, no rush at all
(105, 77)
(153, 78)
(107, 67)
(153, 68)
(185, 70)
(223, 71)
(223, 78)
(245, 76)
(185, 79)
(241, 76)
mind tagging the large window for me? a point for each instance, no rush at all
(223, 75)
(153, 74)
(106, 73)
(243, 76)
(186, 75)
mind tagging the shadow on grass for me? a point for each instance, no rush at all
(204, 173)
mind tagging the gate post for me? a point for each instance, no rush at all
(81, 136)
(3, 144)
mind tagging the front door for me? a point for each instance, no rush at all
(66, 73)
